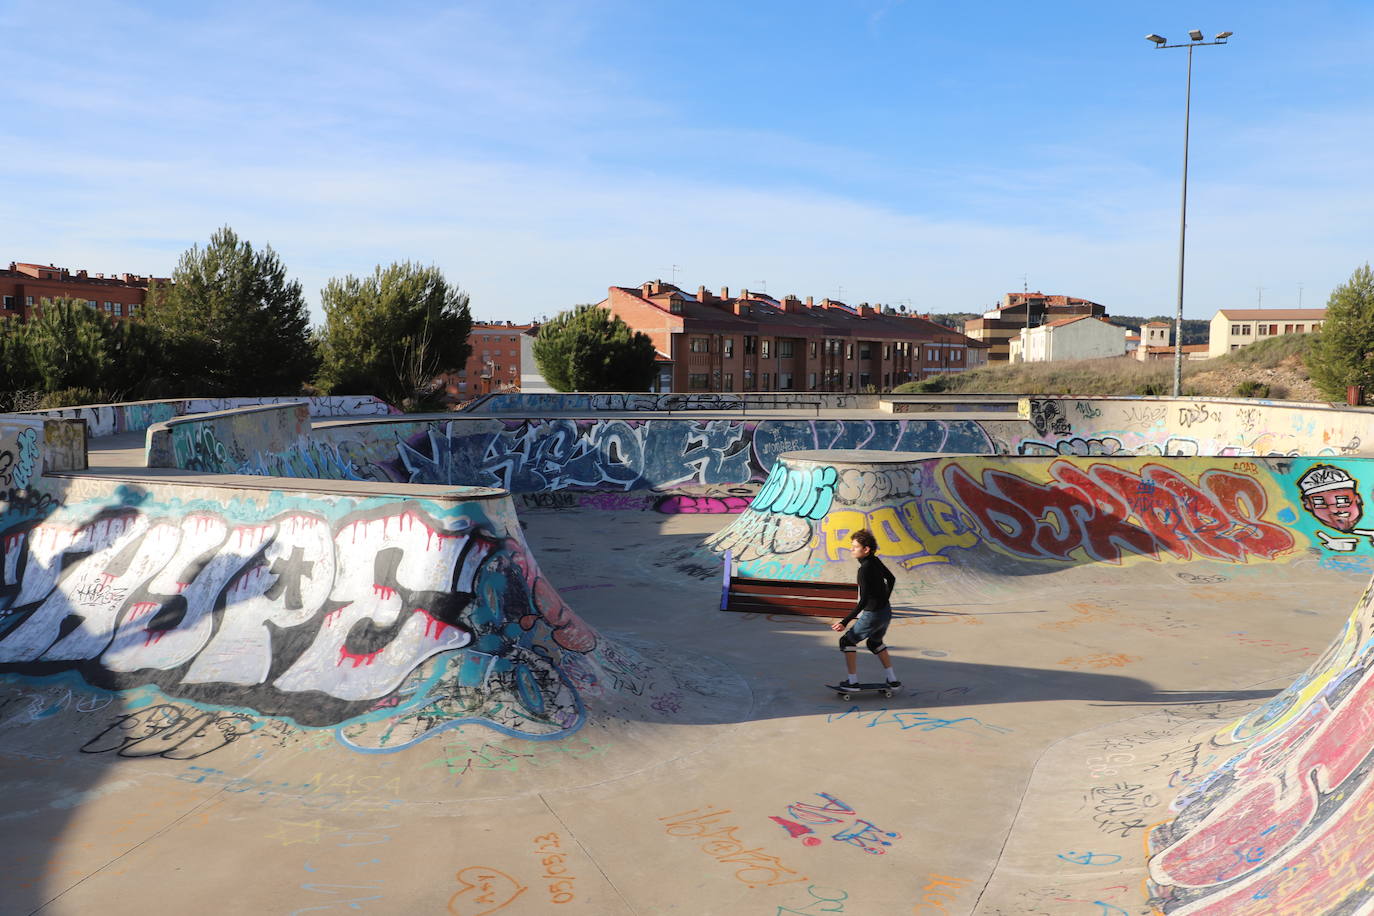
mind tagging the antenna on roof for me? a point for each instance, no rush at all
(764, 284)
(1259, 297)
(1299, 295)
(673, 270)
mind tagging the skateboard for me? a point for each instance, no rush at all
(847, 690)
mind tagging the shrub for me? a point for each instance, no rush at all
(1250, 388)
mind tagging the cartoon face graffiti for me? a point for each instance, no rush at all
(1330, 494)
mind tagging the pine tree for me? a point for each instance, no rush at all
(231, 322)
(1342, 353)
(392, 333)
(589, 349)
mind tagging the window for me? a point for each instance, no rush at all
(763, 351)
(462, 373)
(748, 379)
(785, 349)
(133, 307)
(813, 353)
(462, 386)
(811, 379)
(956, 356)
(109, 307)
(91, 303)
(697, 381)
(729, 381)
(1316, 325)
(887, 351)
(887, 380)
(1263, 329)
(119, 309)
(784, 381)
(751, 345)
(9, 302)
(727, 347)
(1245, 330)
(1235, 330)
(849, 381)
(865, 351)
(849, 351)
(29, 300)
(701, 345)
(1288, 329)
(767, 382)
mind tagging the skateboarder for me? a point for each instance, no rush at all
(874, 611)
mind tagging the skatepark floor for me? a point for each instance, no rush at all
(997, 781)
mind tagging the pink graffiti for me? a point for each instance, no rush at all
(703, 505)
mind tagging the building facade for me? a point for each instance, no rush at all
(1018, 311)
(1083, 337)
(23, 287)
(1232, 329)
(493, 363)
(753, 342)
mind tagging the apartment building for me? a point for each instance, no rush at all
(1232, 329)
(24, 286)
(754, 342)
(1017, 311)
(494, 362)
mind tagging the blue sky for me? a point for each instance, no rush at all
(924, 153)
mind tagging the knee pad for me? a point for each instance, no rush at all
(875, 644)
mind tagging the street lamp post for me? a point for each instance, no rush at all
(1195, 36)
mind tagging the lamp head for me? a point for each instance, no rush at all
(1222, 36)
(1195, 34)
(1157, 39)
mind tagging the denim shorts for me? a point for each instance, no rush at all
(870, 623)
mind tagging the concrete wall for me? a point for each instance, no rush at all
(217, 442)
(136, 416)
(400, 612)
(657, 456)
(1201, 426)
(529, 404)
(1020, 514)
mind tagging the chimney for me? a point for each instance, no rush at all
(702, 294)
(791, 304)
(744, 294)
(725, 292)
(646, 289)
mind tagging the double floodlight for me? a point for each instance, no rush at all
(1195, 34)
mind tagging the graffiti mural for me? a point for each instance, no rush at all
(1107, 511)
(407, 612)
(1059, 510)
(1281, 826)
(557, 455)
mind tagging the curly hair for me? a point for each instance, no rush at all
(865, 539)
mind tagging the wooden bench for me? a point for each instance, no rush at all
(782, 596)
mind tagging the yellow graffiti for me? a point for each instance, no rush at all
(913, 533)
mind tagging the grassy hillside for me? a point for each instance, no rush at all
(1273, 368)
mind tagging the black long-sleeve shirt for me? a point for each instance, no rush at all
(875, 587)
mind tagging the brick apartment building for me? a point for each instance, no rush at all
(753, 342)
(997, 327)
(23, 287)
(494, 363)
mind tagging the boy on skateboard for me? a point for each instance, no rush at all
(874, 611)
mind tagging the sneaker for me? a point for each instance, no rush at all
(894, 684)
